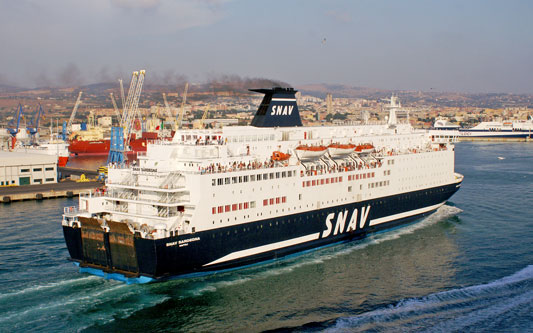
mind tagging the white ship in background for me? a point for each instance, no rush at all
(211, 200)
(508, 130)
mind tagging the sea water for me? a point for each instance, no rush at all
(468, 267)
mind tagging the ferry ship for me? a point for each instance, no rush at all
(212, 200)
(509, 130)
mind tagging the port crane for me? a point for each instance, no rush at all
(167, 107)
(182, 110)
(117, 112)
(121, 136)
(14, 129)
(122, 93)
(204, 115)
(33, 126)
(67, 127)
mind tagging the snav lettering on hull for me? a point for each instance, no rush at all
(281, 110)
(341, 226)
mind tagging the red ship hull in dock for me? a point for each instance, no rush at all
(101, 147)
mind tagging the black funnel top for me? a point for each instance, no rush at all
(278, 108)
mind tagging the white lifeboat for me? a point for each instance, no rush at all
(306, 152)
(337, 149)
(364, 148)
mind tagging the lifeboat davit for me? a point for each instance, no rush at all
(337, 149)
(364, 148)
(279, 156)
(306, 152)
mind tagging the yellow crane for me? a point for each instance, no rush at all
(182, 110)
(200, 124)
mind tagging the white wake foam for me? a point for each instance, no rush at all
(452, 310)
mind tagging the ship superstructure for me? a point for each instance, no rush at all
(216, 199)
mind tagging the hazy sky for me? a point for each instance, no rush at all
(452, 45)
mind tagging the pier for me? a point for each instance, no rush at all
(65, 188)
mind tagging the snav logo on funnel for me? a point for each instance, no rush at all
(281, 110)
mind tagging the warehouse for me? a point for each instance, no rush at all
(27, 169)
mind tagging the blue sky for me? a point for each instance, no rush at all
(464, 46)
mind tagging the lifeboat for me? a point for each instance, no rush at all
(337, 149)
(364, 148)
(306, 152)
(279, 156)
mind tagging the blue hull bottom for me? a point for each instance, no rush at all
(133, 259)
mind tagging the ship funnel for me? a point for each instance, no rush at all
(278, 108)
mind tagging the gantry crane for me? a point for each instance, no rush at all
(14, 129)
(33, 126)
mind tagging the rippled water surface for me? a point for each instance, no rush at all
(468, 267)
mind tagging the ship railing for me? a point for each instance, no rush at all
(70, 216)
(215, 168)
(93, 194)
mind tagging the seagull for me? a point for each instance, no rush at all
(501, 158)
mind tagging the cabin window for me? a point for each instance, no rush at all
(265, 202)
(259, 177)
(252, 204)
(240, 179)
(245, 205)
(283, 174)
(245, 178)
(213, 182)
(227, 180)
(24, 170)
(277, 174)
(227, 208)
(234, 207)
(234, 180)
(49, 179)
(49, 169)
(349, 189)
